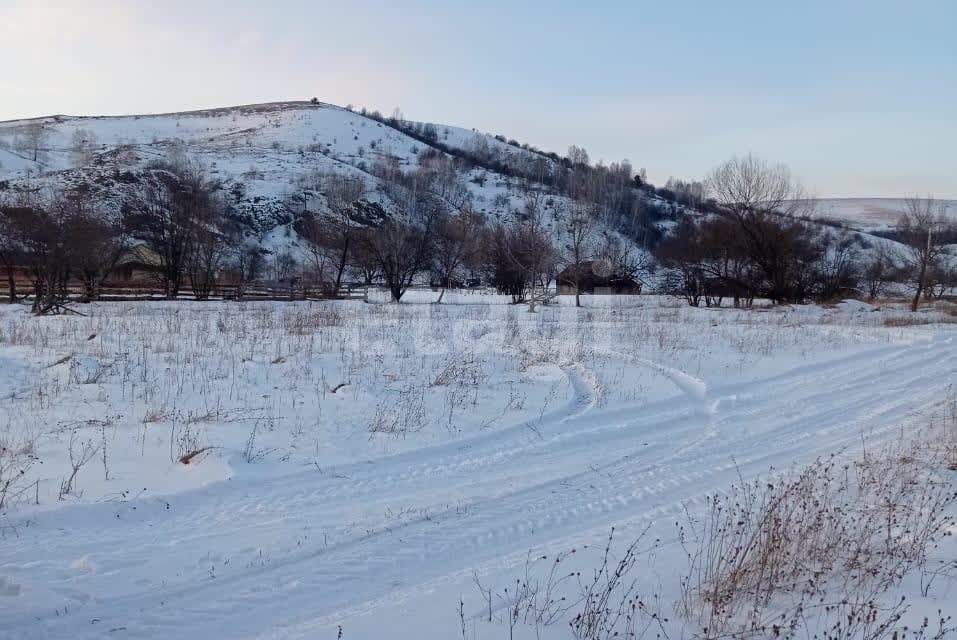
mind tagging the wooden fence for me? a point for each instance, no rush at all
(145, 291)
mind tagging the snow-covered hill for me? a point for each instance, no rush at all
(258, 152)
(869, 214)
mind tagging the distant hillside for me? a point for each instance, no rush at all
(262, 153)
(868, 214)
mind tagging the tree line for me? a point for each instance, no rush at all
(755, 240)
(762, 243)
(177, 224)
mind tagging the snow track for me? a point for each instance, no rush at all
(282, 557)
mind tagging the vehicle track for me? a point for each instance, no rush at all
(468, 503)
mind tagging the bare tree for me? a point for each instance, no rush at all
(683, 255)
(401, 251)
(577, 156)
(401, 246)
(837, 269)
(690, 192)
(33, 140)
(10, 251)
(577, 231)
(11, 247)
(59, 236)
(500, 269)
(82, 146)
(330, 236)
(530, 251)
(920, 228)
(877, 273)
(364, 261)
(456, 241)
(622, 261)
(97, 241)
(764, 201)
(284, 267)
(750, 186)
(320, 240)
(40, 231)
(941, 277)
(709, 259)
(208, 249)
(244, 261)
(342, 195)
(176, 201)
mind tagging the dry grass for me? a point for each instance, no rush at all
(15, 462)
(949, 434)
(400, 413)
(770, 554)
(154, 415)
(812, 554)
(150, 363)
(601, 605)
(915, 320)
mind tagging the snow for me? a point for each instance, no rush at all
(11, 162)
(869, 214)
(266, 146)
(367, 461)
(261, 152)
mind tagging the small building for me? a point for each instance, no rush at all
(596, 278)
(138, 264)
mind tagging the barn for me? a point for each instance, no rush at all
(137, 264)
(595, 277)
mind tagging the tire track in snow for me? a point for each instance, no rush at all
(630, 485)
(658, 489)
(574, 445)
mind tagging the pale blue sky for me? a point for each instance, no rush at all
(859, 98)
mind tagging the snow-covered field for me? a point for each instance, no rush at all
(361, 467)
(870, 214)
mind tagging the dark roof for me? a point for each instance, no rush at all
(593, 274)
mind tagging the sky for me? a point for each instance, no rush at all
(859, 98)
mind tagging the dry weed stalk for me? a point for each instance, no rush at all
(15, 462)
(826, 543)
(81, 452)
